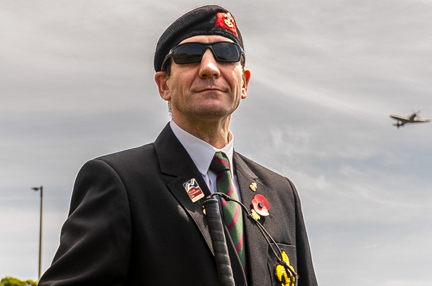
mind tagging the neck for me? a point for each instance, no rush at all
(215, 133)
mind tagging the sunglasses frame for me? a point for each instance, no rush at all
(205, 47)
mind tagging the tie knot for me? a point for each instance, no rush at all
(219, 163)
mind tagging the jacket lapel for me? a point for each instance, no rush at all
(256, 245)
(177, 168)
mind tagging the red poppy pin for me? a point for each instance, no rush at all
(261, 205)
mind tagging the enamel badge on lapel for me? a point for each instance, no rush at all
(253, 186)
(193, 190)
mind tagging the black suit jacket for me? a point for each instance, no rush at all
(131, 222)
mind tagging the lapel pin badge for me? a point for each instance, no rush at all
(260, 205)
(254, 215)
(253, 186)
(193, 190)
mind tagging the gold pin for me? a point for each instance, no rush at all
(254, 215)
(253, 186)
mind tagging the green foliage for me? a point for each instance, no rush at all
(10, 281)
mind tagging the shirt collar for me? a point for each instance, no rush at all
(201, 152)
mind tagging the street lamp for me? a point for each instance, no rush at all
(40, 228)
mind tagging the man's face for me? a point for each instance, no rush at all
(205, 91)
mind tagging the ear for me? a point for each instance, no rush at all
(161, 79)
(245, 82)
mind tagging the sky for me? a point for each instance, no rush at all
(76, 82)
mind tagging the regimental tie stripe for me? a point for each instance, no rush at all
(232, 212)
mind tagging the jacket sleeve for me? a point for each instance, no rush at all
(96, 237)
(305, 268)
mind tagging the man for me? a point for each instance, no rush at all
(136, 217)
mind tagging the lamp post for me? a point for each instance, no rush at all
(40, 229)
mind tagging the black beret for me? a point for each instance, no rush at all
(204, 20)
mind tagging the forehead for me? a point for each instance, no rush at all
(206, 39)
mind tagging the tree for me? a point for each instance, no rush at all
(11, 281)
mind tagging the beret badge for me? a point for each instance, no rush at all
(226, 21)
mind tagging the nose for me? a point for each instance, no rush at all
(209, 66)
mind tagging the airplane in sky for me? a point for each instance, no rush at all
(401, 120)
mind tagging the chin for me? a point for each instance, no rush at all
(214, 110)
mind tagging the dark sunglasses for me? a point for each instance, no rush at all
(193, 52)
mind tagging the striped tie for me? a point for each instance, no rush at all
(232, 212)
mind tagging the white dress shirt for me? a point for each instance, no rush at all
(202, 154)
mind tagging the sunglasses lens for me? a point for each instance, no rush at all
(188, 53)
(193, 52)
(226, 52)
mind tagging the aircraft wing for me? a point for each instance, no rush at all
(421, 120)
(400, 118)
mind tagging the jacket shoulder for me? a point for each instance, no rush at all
(128, 158)
(129, 154)
(126, 163)
(261, 171)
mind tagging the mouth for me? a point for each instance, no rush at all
(210, 88)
